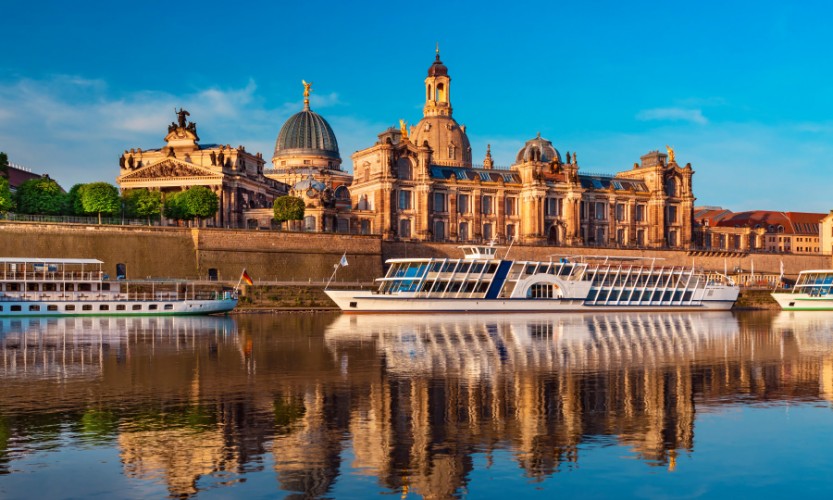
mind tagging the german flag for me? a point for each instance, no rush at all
(246, 278)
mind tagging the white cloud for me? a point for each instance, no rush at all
(74, 130)
(672, 114)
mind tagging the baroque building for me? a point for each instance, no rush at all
(246, 196)
(718, 229)
(419, 183)
(307, 159)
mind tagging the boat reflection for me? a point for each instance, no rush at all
(480, 346)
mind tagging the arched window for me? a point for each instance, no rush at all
(671, 186)
(440, 93)
(342, 193)
(428, 93)
(405, 228)
(463, 231)
(451, 151)
(439, 230)
(403, 169)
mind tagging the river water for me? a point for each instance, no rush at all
(478, 406)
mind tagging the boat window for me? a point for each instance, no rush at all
(12, 287)
(137, 307)
(455, 286)
(103, 307)
(152, 307)
(540, 291)
(530, 269)
(483, 286)
(14, 308)
(69, 307)
(120, 307)
(436, 266)
(464, 267)
(69, 287)
(87, 307)
(51, 307)
(105, 286)
(491, 268)
(34, 308)
(1, 308)
(477, 268)
(168, 307)
(449, 267)
(49, 287)
(84, 287)
(31, 287)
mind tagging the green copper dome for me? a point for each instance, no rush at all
(307, 133)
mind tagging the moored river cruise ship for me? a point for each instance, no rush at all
(813, 291)
(482, 282)
(79, 287)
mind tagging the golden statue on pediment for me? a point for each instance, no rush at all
(403, 128)
(670, 153)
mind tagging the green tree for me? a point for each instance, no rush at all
(4, 165)
(142, 203)
(99, 198)
(72, 205)
(173, 207)
(200, 202)
(40, 196)
(6, 203)
(288, 208)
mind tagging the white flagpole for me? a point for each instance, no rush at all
(335, 270)
(236, 288)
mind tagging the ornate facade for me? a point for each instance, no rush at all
(419, 183)
(235, 175)
(307, 159)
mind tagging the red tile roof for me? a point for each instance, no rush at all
(18, 176)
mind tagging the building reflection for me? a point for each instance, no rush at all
(414, 402)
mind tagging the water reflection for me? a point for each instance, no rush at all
(320, 403)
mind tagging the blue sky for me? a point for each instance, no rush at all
(741, 90)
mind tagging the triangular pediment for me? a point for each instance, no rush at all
(169, 168)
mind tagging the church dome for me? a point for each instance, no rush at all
(307, 133)
(447, 139)
(538, 149)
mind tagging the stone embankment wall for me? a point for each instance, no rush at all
(190, 253)
(276, 256)
(763, 263)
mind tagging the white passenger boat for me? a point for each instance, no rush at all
(812, 292)
(79, 287)
(480, 281)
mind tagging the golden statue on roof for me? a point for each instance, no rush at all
(670, 153)
(403, 128)
(307, 87)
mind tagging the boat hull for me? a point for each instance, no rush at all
(363, 301)
(14, 308)
(803, 302)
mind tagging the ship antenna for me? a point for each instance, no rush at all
(511, 242)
